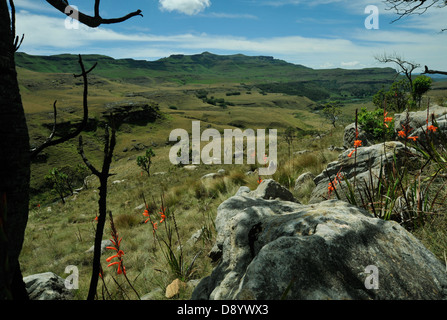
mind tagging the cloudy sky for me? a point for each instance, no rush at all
(317, 34)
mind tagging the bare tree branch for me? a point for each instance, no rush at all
(405, 67)
(90, 21)
(86, 161)
(102, 202)
(17, 43)
(405, 8)
(427, 71)
(50, 142)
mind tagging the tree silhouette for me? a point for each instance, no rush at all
(15, 148)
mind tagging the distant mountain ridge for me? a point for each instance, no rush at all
(272, 75)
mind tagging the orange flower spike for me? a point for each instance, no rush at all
(146, 214)
(432, 128)
(386, 119)
(401, 134)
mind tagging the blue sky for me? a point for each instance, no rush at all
(317, 34)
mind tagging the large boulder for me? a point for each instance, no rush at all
(47, 286)
(366, 167)
(273, 249)
(417, 119)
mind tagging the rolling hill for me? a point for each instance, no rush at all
(268, 73)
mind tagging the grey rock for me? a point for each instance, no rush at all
(242, 190)
(306, 176)
(104, 244)
(368, 164)
(270, 189)
(47, 286)
(211, 176)
(273, 249)
(155, 294)
(297, 153)
(417, 119)
(349, 136)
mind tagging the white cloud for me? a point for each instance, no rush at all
(189, 7)
(349, 64)
(231, 15)
(47, 35)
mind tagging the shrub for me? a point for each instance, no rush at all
(144, 162)
(373, 123)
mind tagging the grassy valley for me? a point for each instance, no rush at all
(219, 91)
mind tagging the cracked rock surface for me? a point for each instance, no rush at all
(270, 248)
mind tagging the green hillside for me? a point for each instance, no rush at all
(272, 75)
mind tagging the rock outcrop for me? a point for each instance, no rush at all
(47, 286)
(349, 136)
(274, 249)
(365, 167)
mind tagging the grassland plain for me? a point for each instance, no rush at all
(58, 235)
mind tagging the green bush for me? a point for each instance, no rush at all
(372, 122)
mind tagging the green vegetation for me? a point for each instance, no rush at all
(59, 234)
(373, 123)
(144, 162)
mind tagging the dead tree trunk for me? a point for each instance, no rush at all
(14, 163)
(103, 176)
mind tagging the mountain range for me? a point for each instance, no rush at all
(268, 73)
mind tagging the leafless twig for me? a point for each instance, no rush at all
(49, 141)
(90, 21)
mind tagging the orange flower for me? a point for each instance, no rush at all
(432, 128)
(146, 214)
(386, 119)
(118, 255)
(162, 214)
(333, 184)
(401, 134)
(357, 143)
(259, 180)
(413, 138)
(351, 153)
(116, 247)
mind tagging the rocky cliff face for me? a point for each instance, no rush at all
(271, 247)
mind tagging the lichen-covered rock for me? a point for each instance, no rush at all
(274, 249)
(366, 167)
(47, 286)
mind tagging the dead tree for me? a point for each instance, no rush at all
(14, 145)
(103, 177)
(49, 141)
(404, 67)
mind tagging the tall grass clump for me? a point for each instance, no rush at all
(408, 189)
